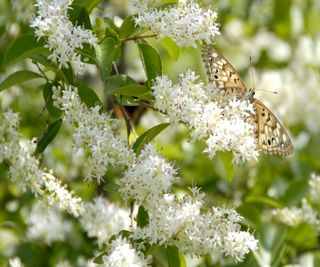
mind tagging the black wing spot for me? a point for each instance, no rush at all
(216, 77)
(269, 142)
(273, 140)
(263, 114)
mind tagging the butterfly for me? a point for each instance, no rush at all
(272, 137)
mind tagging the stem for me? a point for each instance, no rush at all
(146, 105)
(129, 124)
(41, 71)
(133, 38)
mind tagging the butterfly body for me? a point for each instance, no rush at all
(271, 136)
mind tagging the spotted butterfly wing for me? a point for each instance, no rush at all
(271, 136)
(222, 74)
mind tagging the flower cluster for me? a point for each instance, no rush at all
(63, 38)
(24, 167)
(294, 216)
(103, 219)
(184, 23)
(314, 183)
(15, 262)
(180, 222)
(121, 253)
(95, 132)
(308, 212)
(147, 179)
(46, 224)
(225, 126)
(22, 9)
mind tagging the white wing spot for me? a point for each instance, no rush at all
(284, 138)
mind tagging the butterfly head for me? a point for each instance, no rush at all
(250, 95)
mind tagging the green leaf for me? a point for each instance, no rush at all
(116, 82)
(79, 16)
(148, 136)
(111, 188)
(268, 201)
(272, 238)
(18, 78)
(171, 47)
(151, 61)
(128, 27)
(282, 21)
(175, 259)
(88, 96)
(45, 62)
(226, 159)
(99, 258)
(132, 90)
(68, 74)
(23, 47)
(303, 236)
(49, 135)
(112, 25)
(47, 95)
(142, 217)
(296, 191)
(251, 213)
(105, 55)
(112, 30)
(89, 5)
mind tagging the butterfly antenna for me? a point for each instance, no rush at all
(253, 82)
(252, 73)
(265, 90)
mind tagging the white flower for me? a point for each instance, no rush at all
(22, 9)
(184, 23)
(287, 82)
(149, 177)
(15, 262)
(24, 167)
(181, 223)
(314, 183)
(95, 132)
(63, 38)
(223, 123)
(294, 216)
(64, 264)
(122, 254)
(46, 224)
(103, 219)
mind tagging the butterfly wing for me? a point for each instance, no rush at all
(221, 73)
(272, 137)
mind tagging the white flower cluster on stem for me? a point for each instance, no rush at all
(147, 180)
(185, 23)
(224, 126)
(103, 219)
(94, 131)
(121, 253)
(180, 222)
(309, 210)
(63, 38)
(46, 224)
(24, 167)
